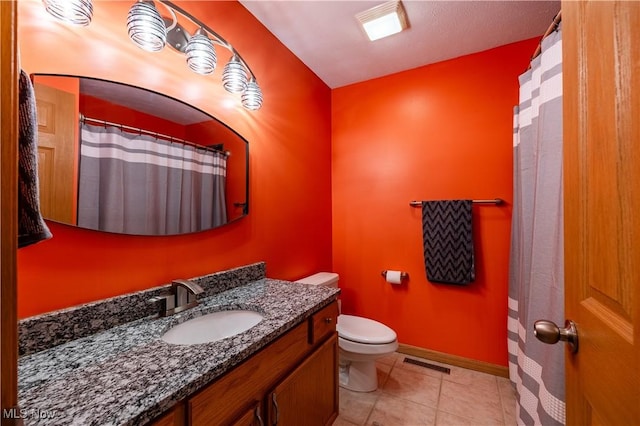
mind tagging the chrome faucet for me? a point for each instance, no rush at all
(181, 297)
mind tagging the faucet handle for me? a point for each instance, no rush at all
(167, 303)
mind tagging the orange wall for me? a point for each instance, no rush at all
(442, 131)
(289, 225)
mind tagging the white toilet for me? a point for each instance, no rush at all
(361, 342)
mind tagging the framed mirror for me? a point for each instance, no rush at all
(122, 159)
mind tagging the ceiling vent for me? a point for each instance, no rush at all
(383, 20)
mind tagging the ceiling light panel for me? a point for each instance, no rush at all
(383, 20)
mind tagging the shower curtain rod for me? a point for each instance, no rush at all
(84, 119)
(554, 25)
(496, 201)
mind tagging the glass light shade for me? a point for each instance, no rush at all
(252, 96)
(201, 54)
(76, 12)
(146, 27)
(234, 76)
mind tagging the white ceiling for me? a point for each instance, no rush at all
(326, 36)
(142, 100)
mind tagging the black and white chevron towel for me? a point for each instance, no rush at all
(448, 241)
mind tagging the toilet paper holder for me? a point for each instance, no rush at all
(403, 275)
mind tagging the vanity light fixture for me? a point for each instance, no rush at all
(151, 32)
(234, 76)
(201, 55)
(252, 96)
(383, 20)
(76, 12)
(146, 27)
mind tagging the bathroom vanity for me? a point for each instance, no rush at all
(281, 371)
(290, 382)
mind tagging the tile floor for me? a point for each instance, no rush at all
(413, 395)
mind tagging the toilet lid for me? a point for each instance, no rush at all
(364, 330)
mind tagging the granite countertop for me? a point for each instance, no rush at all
(127, 375)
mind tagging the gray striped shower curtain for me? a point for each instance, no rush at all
(140, 185)
(536, 276)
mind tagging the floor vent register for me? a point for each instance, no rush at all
(444, 370)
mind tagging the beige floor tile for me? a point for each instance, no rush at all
(414, 387)
(389, 359)
(446, 419)
(383, 371)
(473, 379)
(409, 394)
(477, 403)
(341, 421)
(506, 388)
(391, 411)
(355, 407)
(508, 398)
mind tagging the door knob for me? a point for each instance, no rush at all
(549, 332)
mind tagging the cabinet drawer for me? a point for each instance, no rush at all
(323, 323)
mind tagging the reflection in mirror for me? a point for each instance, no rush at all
(121, 159)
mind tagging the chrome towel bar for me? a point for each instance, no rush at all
(496, 201)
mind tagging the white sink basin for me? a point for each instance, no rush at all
(212, 327)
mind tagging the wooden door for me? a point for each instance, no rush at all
(309, 395)
(601, 67)
(57, 153)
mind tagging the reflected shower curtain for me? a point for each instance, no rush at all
(136, 184)
(536, 278)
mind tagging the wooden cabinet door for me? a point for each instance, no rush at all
(601, 67)
(251, 417)
(309, 395)
(228, 397)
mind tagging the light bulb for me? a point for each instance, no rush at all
(76, 12)
(146, 27)
(234, 76)
(201, 54)
(252, 96)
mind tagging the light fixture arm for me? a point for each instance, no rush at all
(217, 38)
(174, 18)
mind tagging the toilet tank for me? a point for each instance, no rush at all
(329, 279)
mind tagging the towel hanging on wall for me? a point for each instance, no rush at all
(448, 241)
(31, 226)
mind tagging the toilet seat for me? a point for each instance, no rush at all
(364, 330)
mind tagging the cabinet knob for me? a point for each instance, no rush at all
(328, 320)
